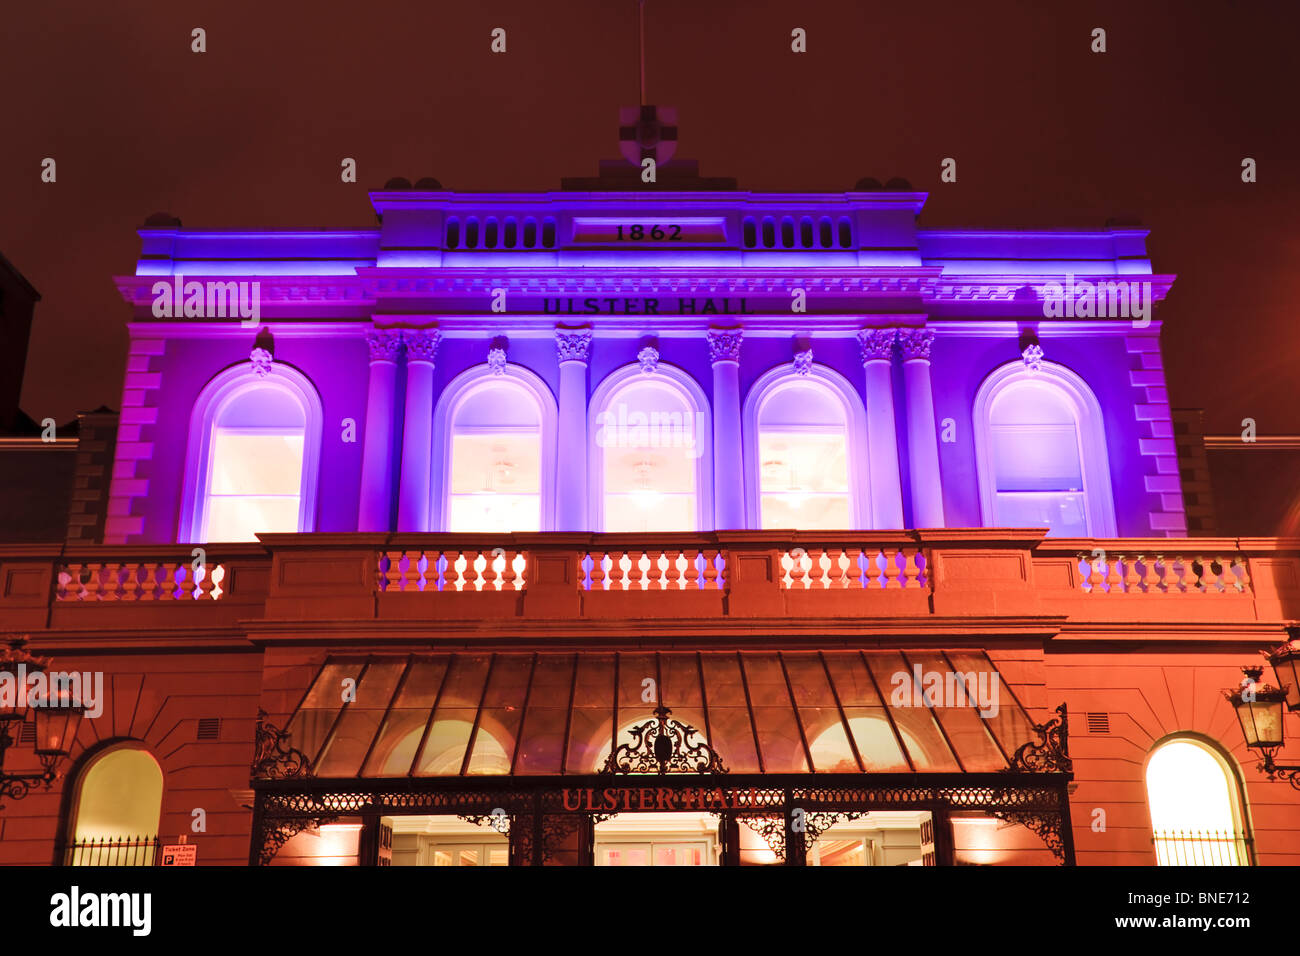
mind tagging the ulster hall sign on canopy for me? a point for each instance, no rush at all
(650, 524)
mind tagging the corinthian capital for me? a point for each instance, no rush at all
(573, 345)
(385, 345)
(915, 343)
(876, 344)
(724, 345)
(421, 345)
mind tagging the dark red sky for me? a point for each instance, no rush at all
(1045, 133)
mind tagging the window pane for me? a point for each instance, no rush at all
(1192, 810)
(729, 718)
(803, 460)
(1061, 512)
(495, 478)
(240, 518)
(1029, 457)
(591, 729)
(541, 745)
(799, 510)
(495, 512)
(256, 463)
(494, 744)
(496, 463)
(404, 727)
(778, 732)
(356, 729)
(810, 462)
(650, 438)
(649, 510)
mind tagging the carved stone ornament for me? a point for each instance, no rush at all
(262, 362)
(497, 361)
(421, 345)
(915, 343)
(1033, 356)
(724, 345)
(876, 344)
(648, 358)
(664, 745)
(803, 362)
(573, 345)
(385, 345)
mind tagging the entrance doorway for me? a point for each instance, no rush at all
(446, 841)
(658, 839)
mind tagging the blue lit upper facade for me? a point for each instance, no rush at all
(643, 361)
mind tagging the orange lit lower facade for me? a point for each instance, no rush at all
(976, 697)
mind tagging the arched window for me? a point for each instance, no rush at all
(805, 452)
(497, 463)
(1040, 448)
(1196, 808)
(118, 801)
(651, 452)
(254, 452)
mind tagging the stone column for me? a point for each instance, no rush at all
(877, 347)
(573, 346)
(413, 504)
(375, 510)
(728, 454)
(922, 436)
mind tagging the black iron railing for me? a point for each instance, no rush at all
(1202, 848)
(112, 851)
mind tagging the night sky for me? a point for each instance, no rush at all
(1045, 133)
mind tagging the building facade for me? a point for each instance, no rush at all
(472, 535)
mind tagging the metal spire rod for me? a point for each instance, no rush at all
(641, 37)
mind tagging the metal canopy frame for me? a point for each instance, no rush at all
(548, 824)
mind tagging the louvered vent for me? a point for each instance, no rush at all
(1099, 723)
(209, 728)
(27, 734)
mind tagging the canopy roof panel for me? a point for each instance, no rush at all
(546, 713)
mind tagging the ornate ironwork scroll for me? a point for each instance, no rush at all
(498, 821)
(771, 827)
(817, 822)
(557, 829)
(275, 833)
(1051, 753)
(521, 842)
(664, 745)
(1046, 824)
(273, 757)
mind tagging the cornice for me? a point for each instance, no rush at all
(731, 199)
(642, 280)
(343, 290)
(372, 284)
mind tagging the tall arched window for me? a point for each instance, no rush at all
(254, 452)
(118, 801)
(497, 463)
(805, 452)
(1040, 447)
(1195, 800)
(651, 456)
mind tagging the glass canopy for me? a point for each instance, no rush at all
(833, 711)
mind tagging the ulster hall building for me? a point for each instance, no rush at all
(645, 524)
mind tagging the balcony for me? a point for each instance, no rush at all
(753, 578)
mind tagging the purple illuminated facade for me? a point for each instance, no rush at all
(721, 294)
